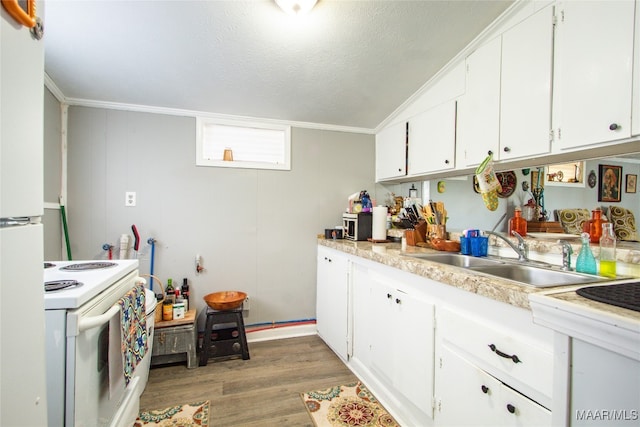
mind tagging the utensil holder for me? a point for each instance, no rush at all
(417, 234)
(435, 231)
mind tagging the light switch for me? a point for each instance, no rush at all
(130, 198)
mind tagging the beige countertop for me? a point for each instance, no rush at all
(502, 290)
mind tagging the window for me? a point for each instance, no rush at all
(252, 145)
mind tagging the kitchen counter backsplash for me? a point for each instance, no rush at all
(392, 255)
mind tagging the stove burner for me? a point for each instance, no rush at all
(88, 266)
(57, 285)
(49, 265)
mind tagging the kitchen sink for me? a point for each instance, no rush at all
(457, 260)
(538, 277)
(532, 273)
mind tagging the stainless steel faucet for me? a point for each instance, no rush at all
(567, 250)
(522, 248)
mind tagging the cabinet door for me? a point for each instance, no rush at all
(382, 328)
(466, 395)
(414, 349)
(432, 140)
(331, 300)
(402, 342)
(593, 72)
(525, 106)
(391, 152)
(479, 108)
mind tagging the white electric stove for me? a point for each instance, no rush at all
(81, 313)
(92, 277)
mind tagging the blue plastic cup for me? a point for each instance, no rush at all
(465, 245)
(479, 246)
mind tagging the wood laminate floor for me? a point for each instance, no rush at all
(262, 391)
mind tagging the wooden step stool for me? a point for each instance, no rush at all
(224, 336)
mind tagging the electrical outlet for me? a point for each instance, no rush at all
(130, 198)
(246, 304)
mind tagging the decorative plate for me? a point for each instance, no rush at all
(592, 179)
(508, 182)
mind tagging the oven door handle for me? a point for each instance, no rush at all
(87, 323)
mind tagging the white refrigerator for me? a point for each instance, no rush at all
(23, 400)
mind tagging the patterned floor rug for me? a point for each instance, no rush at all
(346, 405)
(190, 415)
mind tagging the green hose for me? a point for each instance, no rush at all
(66, 230)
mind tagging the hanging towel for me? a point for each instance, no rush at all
(134, 329)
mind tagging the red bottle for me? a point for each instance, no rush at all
(593, 226)
(518, 223)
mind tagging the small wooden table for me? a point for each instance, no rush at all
(175, 341)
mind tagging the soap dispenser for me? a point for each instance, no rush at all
(586, 262)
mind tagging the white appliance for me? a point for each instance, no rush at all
(23, 398)
(85, 380)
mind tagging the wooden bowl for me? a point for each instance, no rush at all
(226, 300)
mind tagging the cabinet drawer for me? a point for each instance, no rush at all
(468, 396)
(506, 352)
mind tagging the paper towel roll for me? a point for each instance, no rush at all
(379, 226)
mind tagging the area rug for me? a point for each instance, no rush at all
(189, 415)
(346, 405)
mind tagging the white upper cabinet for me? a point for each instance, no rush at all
(391, 152)
(479, 108)
(525, 95)
(506, 109)
(432, 140)
(593, 72)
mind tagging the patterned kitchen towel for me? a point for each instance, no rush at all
(134, 329)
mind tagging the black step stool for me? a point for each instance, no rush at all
(224, 336)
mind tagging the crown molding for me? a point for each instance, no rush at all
(50, 84)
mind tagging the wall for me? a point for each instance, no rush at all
(255, 229)
(52, 178)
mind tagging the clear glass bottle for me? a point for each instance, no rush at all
(608, 251)
(518, 223)
(586, 262)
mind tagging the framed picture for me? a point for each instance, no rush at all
(610, 180)
(631, 183)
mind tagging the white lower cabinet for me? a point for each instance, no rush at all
(428, 350)
(331, 299)
(468, 396)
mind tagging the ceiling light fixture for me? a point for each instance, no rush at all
(296, 7)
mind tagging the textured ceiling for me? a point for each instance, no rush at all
(347, 63)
